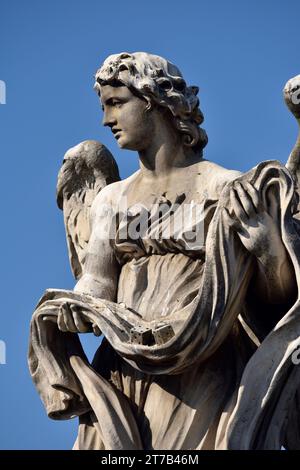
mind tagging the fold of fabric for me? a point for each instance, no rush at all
(68, 386)
(269, 386)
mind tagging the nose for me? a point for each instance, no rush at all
(108, 119)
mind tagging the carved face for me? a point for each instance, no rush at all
(127, 117)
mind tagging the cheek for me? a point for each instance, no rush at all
(135, 115)
(141, 122)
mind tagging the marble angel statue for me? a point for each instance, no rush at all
(199, 309)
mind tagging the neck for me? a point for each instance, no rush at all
(165, 152)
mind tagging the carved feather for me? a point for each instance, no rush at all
(87, 168)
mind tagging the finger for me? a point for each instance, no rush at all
(233, 222)
(96, 330)
(237, 207)
(245, 199)
(273, 204)
(52, 318)
(60, 321)
(228, 219)
(68, 318)
(254, 196)
(81, 325)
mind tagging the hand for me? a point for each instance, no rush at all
(71, 319)
(258, 230)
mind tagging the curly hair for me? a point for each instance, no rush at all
(157, 81)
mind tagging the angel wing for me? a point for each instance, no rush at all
(87, 168)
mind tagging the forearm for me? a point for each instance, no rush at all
(100, 288)
(275, 279)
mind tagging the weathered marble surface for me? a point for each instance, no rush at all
(189, 270)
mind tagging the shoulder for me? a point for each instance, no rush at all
(110, 196)
(217, 176)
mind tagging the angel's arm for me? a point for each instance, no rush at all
(274, 281)
(101, 269)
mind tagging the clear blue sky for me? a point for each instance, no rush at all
(240, 53)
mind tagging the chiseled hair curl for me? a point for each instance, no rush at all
(157, 80)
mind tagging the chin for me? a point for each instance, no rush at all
(123, 144)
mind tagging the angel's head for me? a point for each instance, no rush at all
(133, 85)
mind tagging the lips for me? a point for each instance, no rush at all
(116, 133)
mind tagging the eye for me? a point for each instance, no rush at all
(116, 103)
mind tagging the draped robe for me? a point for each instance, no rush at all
(209, 386)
